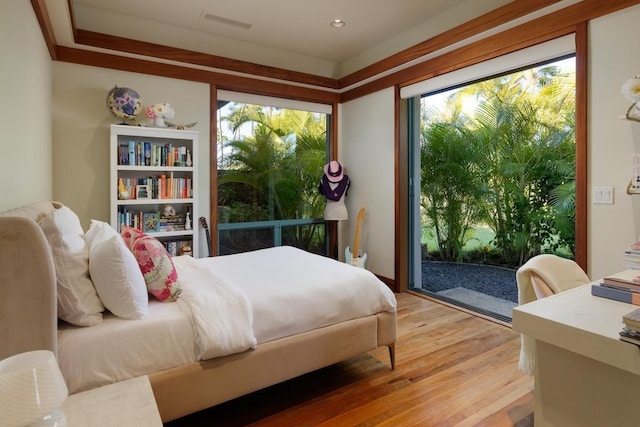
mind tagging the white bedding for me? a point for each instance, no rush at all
(220, 312)
(250, 297)
(293, 291)
(118, 349)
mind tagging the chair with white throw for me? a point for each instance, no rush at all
(542, 276)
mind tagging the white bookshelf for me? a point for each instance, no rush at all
(140, 156)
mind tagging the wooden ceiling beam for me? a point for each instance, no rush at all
(548, 27)
(42, 15)
(121, 44)
(502, 15)
(220, 80)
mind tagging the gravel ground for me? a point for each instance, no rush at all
(499, 282)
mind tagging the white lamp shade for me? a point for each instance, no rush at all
(31, 386)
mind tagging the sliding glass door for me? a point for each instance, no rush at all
(492, 183)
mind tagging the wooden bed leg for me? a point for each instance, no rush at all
(392, 355)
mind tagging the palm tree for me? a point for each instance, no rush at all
(451, 190)
(525, 160)
(279, 163)
(522, 134)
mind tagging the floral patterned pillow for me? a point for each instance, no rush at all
(130, 233)
(156, 265)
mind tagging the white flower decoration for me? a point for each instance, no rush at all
(163, 110)
(631, 89)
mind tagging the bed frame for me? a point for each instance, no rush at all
(28, 321)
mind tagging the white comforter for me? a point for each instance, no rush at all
(220, 312)
(238, 300)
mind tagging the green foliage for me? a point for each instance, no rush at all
(518, 152)
(273, 168)
(451, 190)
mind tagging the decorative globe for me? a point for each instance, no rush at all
(124, 103)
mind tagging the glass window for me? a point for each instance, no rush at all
(269, 164)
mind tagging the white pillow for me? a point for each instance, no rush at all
(98, 231)
(115, 273)
(78, 301)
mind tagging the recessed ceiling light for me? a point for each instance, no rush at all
(338, 23)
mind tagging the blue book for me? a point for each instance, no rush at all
(600, 290)
(147, 154)
(132, 153)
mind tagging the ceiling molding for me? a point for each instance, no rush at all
(220, 80)
(476, 26)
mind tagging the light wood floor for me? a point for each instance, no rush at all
(452, 369)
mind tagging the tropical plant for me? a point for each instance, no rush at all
(524, 161)
(451, 190)
(522, 142)
(272, 172)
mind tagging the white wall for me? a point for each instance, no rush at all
(25, 111)
(81, 131)
(366, 141)
(613, 58)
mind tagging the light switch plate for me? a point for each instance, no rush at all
(602, 195)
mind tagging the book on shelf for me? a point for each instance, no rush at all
(616, 294)
(148, 154)
(160, 187)
(178, 247)
(132, 153)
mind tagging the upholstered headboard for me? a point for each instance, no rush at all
(28, 317)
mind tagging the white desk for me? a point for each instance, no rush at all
(128, 403)
(585, 376)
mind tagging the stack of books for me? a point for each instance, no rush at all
(632, 256)
(175, 222)
(631, 330)
(623, 286)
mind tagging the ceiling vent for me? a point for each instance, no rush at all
(223, 20)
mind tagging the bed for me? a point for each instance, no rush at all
(239, 323)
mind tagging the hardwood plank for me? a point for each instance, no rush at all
(452, 369)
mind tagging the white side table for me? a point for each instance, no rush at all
(126, 403)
